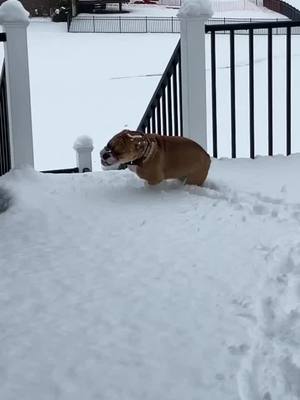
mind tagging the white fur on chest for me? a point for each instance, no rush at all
(132, 168)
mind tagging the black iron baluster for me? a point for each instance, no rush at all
(153, 119)
(251, 94)
(5, 133)
(214, 94)
(5, 156)
(288, 91)
(175, 100)
(180, 94)
(232, 95)
(169, 109)
(2, 144)
(163, 93)
(164, 114)
(270, 93)
(158, 113)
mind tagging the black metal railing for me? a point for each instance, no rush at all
(283, 8)
(251, 28)
(98, 24)
(164, 112)
(5, 151)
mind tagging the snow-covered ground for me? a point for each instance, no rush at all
(113, 290)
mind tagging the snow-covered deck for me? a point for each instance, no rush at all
(113, 290)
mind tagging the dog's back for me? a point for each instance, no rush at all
(183, 158)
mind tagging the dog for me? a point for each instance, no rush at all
(155, 158)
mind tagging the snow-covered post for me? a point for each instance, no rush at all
(15, 20)
(84, 147)
(193, 15)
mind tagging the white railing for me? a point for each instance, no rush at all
(97, 24)
(15, 20)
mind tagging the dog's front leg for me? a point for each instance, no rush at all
(151, 177)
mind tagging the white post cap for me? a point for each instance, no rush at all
(195, 9)
(12, 11)
(83, 142)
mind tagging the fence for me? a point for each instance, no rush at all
(149, 122)
(250, 29)
(164, 113)
(95, 24)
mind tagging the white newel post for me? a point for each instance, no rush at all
(84, 147)
(15, 20)
(193, 15)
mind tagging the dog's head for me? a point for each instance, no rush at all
(123, 148)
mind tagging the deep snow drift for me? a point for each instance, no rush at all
(113, 290)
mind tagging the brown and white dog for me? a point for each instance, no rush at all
(155, 158)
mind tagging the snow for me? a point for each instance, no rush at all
(80, 86)
(83, 141)
(114, 290)
(13, 11)
(195, 8)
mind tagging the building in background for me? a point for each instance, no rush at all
(42, 8)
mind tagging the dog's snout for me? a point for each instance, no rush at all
(104, 151)
(105, 156)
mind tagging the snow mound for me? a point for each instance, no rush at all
(13, 11)
(195, 8)
(83, 142)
